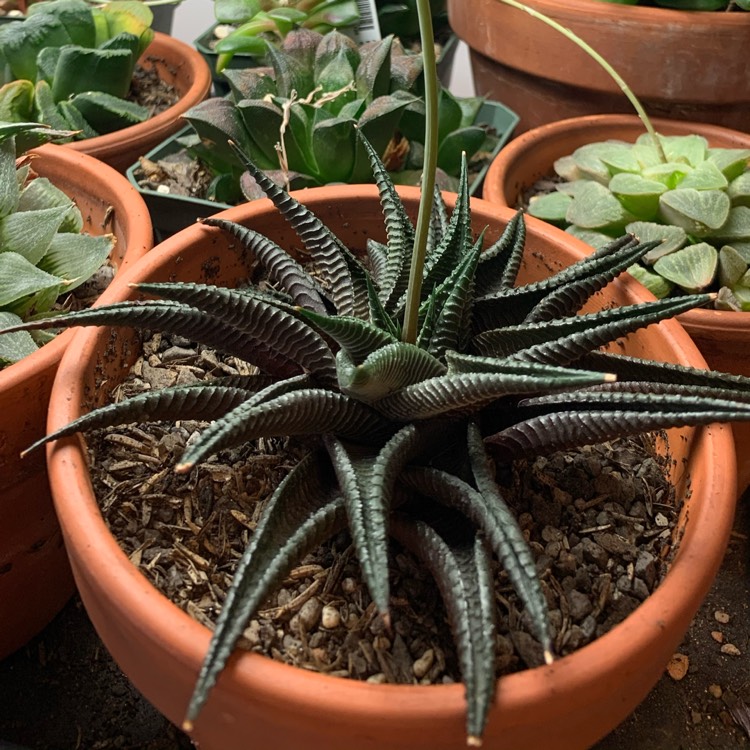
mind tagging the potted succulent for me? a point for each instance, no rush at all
(324, 88)
(78, 193)
(376, 361)
(544, 78)
(71, 65)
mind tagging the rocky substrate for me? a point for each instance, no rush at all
(600, 522)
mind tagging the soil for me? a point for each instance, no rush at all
(63, 692)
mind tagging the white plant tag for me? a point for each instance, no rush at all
(368, 29)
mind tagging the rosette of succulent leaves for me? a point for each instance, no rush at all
(689, 4)
(691, 198)
(43, 253)
(69, 64)
(404, 434)
(298, 119)
(256, 23)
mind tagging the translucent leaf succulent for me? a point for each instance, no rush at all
(255, 23)
(694, 200)
(404, 435)
(70, 64)
(42, 251)
(298, 119)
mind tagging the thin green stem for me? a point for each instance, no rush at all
(429, 167)
(589, 50)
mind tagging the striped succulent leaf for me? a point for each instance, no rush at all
(398, 431)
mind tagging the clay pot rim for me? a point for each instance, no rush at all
(314, 694)
(109, 185)
(165, 122)
(642, 14)
(735, 323)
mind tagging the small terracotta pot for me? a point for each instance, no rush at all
(686, 65)
(179, 65)
(267, 704)
(723, 337)
(35, 578)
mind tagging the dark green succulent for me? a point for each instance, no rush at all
(70, 64)
(693, 199)
(255, 23)
(404, 435)
(298, 120)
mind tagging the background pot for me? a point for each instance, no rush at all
(686, 65)
(171, 212)
(567, 705)
(179, 65)
(35, 578)
(723, 337)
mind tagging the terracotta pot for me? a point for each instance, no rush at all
(179, 65)
(35, 578)
(683, 65)
(577, 700)
(723, 337)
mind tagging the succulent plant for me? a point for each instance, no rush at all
(298, 120)
(42, 251)
(689, 4)
(70, 64)
(692, 198)
(404, 434)
(259, 22)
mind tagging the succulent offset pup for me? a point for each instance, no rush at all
(407, 432)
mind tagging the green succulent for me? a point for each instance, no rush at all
(42, 251)
(693, 199)
(400, 17)
(688, 4)
(70, 64)
(404, 435)
(259, 22)
(298, 120)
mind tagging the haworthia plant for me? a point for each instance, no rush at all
(70, 64)
(42, 251)
(692, 199)
(298, 118)
(404, 433)
(255, 23)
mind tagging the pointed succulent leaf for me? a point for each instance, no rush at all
(305, 510)
(106, 113)
(205, 400)
(280, 266)
(257, 316)
(692, 268)
(379, 317)
(501, 261)
(357, 337)
(30, 233)
(386, 370)
(366, 480)
(669, 238)
(344, 273)
(562, 342)
(460, 565)
(374, 71)
(464, 393)
(594, 418)
(308, 411)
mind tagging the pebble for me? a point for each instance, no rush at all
(721, 616)
(423, 665)
(330, 617)
(645, 567)
(678, 666)
(309, 613)
(730, 649)
(349, 585)
(579, 604)
(376, 679)
(718, 636)
(715, 690)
